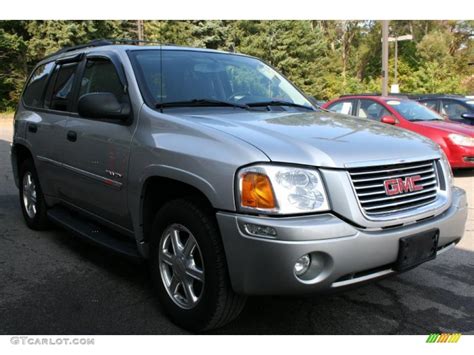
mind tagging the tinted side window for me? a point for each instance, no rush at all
(33, 94)
(344, 107)
(453, 109)
(101, 76)
(372, 110)
(49, 89)
(60, 89)
(431, 104)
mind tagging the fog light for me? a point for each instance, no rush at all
(302, 265)
(259, 230)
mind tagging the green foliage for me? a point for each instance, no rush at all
(323, 58)
(12, 67)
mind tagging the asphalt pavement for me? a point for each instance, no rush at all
(53, 283)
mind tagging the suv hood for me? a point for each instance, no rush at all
(319, 138)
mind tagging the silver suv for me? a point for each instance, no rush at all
(222, 175)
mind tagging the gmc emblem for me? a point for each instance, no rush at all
(399, 186)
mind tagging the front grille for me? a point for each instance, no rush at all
(369, 186)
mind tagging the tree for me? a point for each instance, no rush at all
(324, 58)
(12, 68)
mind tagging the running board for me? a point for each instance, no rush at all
(93, 232)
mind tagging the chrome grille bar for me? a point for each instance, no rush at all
(394, 169)
(383, 192)
(369, 186)
(389, 198)
(386, 177)
(381, 185)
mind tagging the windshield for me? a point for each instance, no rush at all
(413, 111)
(179, 76)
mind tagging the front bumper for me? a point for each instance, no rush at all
(461, 157)
(350, 255)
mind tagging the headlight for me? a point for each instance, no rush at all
(281, 190)
(460, 139)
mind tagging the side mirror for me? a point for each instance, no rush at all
(102, 105)
(389, 120)
(468, 115)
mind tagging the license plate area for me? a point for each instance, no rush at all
(416, 249)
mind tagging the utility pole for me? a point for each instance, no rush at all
(395, 67)
(384, 57)
(140, 31)
(396, 40)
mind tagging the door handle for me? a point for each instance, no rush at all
(32, 127)
(71, 136)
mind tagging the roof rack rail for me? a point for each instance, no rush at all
(132, 41)
(94, 43)
(138, 41)
(106, 42)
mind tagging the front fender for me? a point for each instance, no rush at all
(185, 151)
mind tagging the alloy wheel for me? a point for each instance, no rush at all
(181, 266)
(29, 194)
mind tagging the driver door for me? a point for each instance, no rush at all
(97, 151)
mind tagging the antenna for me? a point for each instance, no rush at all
(161, 73)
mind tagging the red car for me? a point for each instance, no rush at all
(457, 140)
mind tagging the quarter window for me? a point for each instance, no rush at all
(33, 94)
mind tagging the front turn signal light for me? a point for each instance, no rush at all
(256, 191)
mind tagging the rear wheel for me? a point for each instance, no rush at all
(32, 201)
(189, 269)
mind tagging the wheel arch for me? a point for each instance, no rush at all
(19, 153)
(156, 190)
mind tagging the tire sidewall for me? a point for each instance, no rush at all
(197, 317)
(39, 220)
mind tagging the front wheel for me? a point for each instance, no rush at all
(188, 267)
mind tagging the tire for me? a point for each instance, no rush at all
(217, 303)
(35, 218)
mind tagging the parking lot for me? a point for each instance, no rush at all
(53, 283)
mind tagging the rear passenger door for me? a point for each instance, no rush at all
(52, 106)
(97, 152)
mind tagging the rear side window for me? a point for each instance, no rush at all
(33, 94)
(344, 107)
(60, 89)
(372, 110)
(101, 76)
(431, 104)
(453, 109)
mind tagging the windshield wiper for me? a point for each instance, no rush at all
(278, 103)
(202, 103)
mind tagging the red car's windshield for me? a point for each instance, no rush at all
(413, 111)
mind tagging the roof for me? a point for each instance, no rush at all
(374, 96)
(123, 45)
(452, 97)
